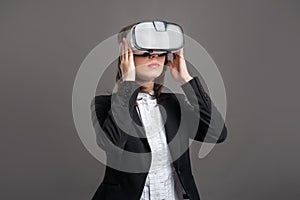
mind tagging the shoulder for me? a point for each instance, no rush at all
(102, 99)
(101, 102)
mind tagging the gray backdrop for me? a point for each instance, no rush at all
(255, 44)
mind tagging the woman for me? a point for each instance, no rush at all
(140, 81)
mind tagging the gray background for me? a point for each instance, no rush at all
(255, 44)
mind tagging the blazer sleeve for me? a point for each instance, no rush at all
(197, 104)
(111, 118)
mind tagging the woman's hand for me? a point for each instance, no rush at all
(127, 62)
(178, 68)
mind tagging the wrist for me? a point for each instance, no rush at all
(186, 79)
(129, 78)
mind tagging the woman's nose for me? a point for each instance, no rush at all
(153, 55)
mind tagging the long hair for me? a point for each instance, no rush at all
(158, 82)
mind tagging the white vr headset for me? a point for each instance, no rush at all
(155, 37)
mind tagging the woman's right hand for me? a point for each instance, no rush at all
(127, 62)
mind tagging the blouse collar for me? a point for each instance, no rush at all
(142, 96)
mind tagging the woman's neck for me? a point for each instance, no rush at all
(146, 87)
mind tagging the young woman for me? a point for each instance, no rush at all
(140, 81)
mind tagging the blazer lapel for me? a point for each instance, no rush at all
(138, 123)
(167, 105)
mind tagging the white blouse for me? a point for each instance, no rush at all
(162, 182)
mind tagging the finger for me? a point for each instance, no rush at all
(181, 52)
(172, 68)
(130, 54)
(126, 49)
(170, 65)
(122, 51)
(177, 52)
(176, 58)
(176, 55)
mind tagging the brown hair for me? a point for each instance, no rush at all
(158, 82)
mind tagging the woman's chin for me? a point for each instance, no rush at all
(147, 78)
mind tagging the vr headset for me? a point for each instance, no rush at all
(155, 37)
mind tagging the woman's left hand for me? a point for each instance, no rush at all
(178, 68)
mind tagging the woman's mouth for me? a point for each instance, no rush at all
(153, 65)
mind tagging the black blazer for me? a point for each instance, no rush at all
(118, 184)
